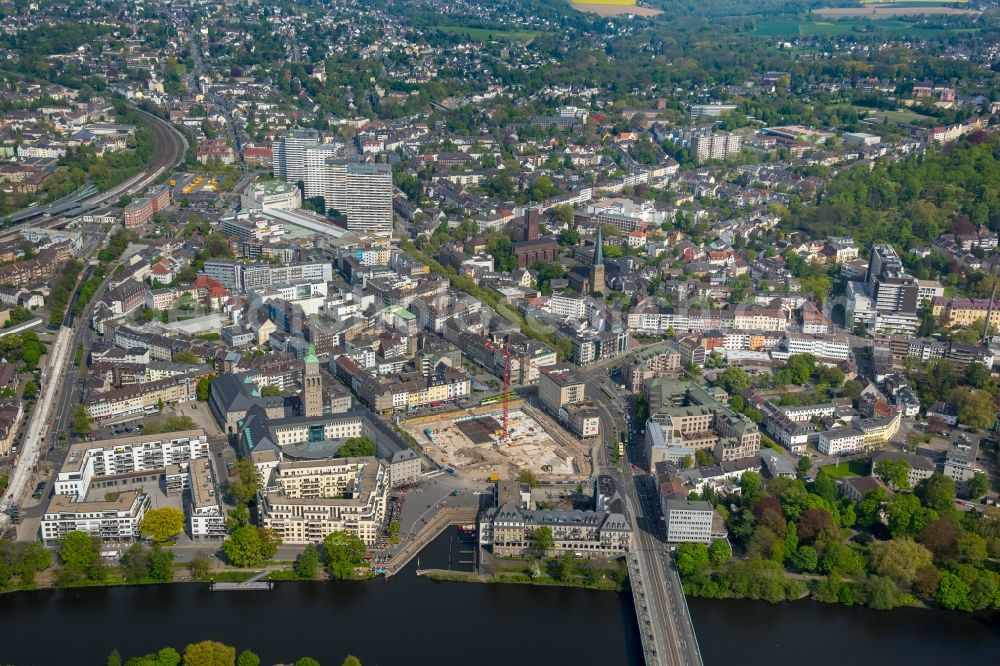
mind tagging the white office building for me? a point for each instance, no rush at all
(689, 521)
(841, 441)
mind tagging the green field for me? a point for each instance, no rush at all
(485, 34)
(792, 28)
(846, 469)
(897, 116)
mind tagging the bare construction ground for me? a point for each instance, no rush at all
(477, 442)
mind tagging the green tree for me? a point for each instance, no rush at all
(209, 653)
(351, 660)
(184, 356)
(868, 508)
(238, 517)
(937, 492)
(719, 552)
(906, 516)
(953, 592)
(307, 563)
(804, 465)
(941, 538)
(357, 447)
(162, 525)
(270, 541)
(751, 488)
(899, 559)
(168, 657)
(569, 237)
(976, 408)
(30, 390)
(306, 661)
(248, 658)
(805, 558)
(243, 548)
(81, 558)
(270, 391)
(894, 472)
(978, 485)
(563, 214)
(161, 564)
(200, 566)
(733, 379)
(977, 374)
(825, 486)
(135, 562)
(345, 551)
(541, 539)
(246, 481)
(692, 559)
(528, 477)
(204, 387)
(972, 548)
(842, 559)
(29, 559)
(703, 458)
(80, 425)
(566, 567)
(880, 593)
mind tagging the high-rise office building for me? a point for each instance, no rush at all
(363, 193)
(891, 289)
(288, 154)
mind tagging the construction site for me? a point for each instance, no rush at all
(475, 440)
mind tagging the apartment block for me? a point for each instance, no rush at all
(206, 517)
(306, 501)
(110, 520)
(88, 461)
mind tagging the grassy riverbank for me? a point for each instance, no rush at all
(444, 575)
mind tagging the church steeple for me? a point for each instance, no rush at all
(597, 268)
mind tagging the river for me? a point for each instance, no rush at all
(411, 620)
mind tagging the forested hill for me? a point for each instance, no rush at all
(913, 201)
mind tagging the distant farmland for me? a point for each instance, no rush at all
(881, 11)
(847, 25)
(486, 34)
(612, 7)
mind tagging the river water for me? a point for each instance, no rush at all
(411, 620)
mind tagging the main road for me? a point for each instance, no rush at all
(170, 148)
(665, 626)
(59, 389)
(38, 425)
